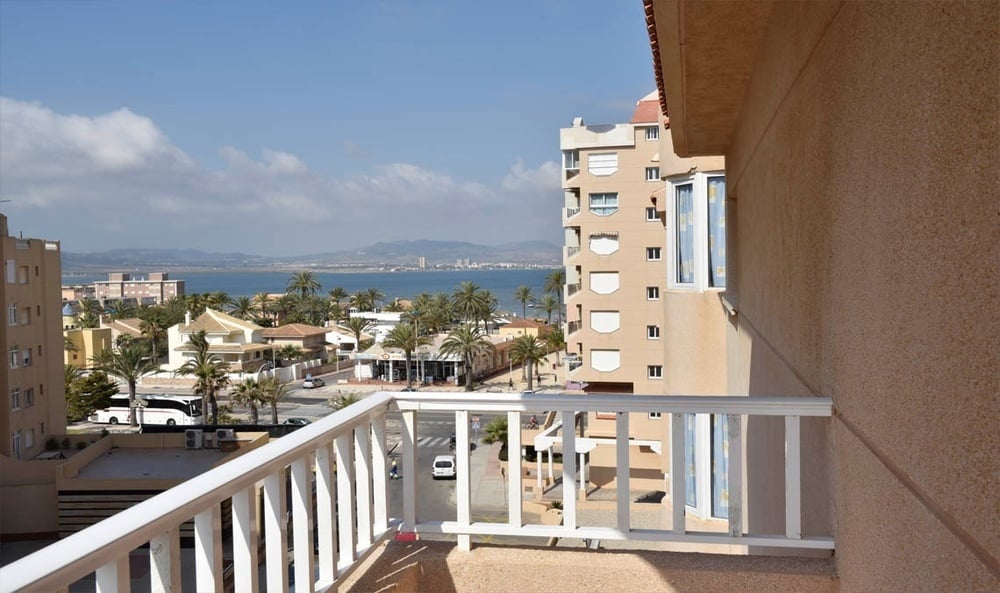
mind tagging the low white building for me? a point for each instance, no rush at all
(381, 323)
(234, 341)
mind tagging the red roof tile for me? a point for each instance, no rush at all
(645, 112)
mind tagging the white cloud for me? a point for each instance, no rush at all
(116, 180)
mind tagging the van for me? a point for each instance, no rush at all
(444, 466)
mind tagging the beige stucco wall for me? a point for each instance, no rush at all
(864, 171)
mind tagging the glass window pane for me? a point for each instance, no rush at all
(684, 224)
(690, 480)
(717, 231)
(720, 466)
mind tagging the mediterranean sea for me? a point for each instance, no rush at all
(404, 285)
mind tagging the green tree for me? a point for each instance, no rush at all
(289, 352)
(337, 294)
(468, 301)
(527, 350)
(250, 394)
(358, 326)
(522, 294)
(129, 363)
(556, 341)
(468, 343)
(496, 431)
(263, 303)
(374, 297)
(404, 336)
(155, 333)
(548, 304)
(119, 309)
(274, 390)
(89, 311)
(243, 307)
(304, 283)
(218, 300)
(554, 283)
(342, 401)
(209, 373)
(85, 395)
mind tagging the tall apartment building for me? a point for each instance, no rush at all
(620, 182)
(34, 402)
(153, 289)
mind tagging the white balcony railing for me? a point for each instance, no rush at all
(570, 213)
(571, 251)
(339, 483)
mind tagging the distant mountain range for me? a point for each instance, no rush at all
(399, 253)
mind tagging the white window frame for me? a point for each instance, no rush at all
(12, 315)
(652, 173)
(654, 415)
(652, 332)
(652, 293)
(29, 397)
(15, 398)
(654, 371)
(654, 253)
(651, 215)
(571, 160)
(699, 184)
(590, 203)
(14, 357)
(653, 133)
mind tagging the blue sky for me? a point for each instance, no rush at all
(301, 127)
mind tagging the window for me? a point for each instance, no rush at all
(22, 275)
(26, 316)
(652, 293)
(29, 438)
(652, 173)
(604, 282)
(605, 360)
(11, 271)
(605, 322)
(654, 371)
(27, 357)
(603, 204)
(29, 397)
(651, 214)
(655, 415)
(697, 237)
(602, 164)
(653, 332)
(15, 398)
(12, 356)
(604, 243)
(652, 254)
(15, 445)
(653, 133)
(12, 314)
(571, 160)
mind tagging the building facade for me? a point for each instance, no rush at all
(34, 399)
(861, 144)
(154, 289)
(238, 343)
(623, 310)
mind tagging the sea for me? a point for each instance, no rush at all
(403, 284)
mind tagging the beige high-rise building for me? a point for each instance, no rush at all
(618, 276)
(154, 289)
(34, 401)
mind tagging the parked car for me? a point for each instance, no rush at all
(312, 382)
(444, 466)
(297, 421)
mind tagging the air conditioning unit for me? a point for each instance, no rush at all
(224, 434)
(193, 438)
(208, 440)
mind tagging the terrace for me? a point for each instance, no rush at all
(323, 494)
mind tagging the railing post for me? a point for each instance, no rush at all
(208, 550)
(538, 468)
(514, 517)
(275, 532)
(363, 474)
(409, 454)
(114, 577)
(245, 563)
(165, 563)
(463, 481)
(793, 489)
(345, 498)
(677, 472)
(380, 476)
(569, 469)
(735, 436)
(302, 524)
(622, 471)
(326, 523)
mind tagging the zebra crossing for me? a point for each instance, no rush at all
(432, 442)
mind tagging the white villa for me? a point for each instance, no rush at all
(234, 341)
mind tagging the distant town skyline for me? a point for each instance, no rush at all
(286, 130)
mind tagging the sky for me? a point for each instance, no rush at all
(301, 127)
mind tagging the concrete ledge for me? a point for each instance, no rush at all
(440, 567)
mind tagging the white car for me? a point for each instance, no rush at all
(444, 466)
(312, 383)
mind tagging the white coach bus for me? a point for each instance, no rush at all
(153, 409)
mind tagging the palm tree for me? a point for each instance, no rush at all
(129, 363)
(496, 431)
(489, 310)
(374, 296)
(243, 307)
(334, 312)
(289, 352)
(404, 336)
(555, 341)
(554, 285)
(263, 302)
(305, 283)
(361, 301)
(273, 391)
(69, 345)
(218, 300)
(89, 312)
(338, 294)
(285, 306)
(209, 372)
(155, 333)
(120, 309)
(523, 295)
(249, 393)
(468, 301)
(358, 326)
(342, 401)
(467, 342)
(548, 304)
(71, 373)
(527, 350)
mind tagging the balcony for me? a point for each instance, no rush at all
(574, 326)
(571, 251)
(572, 289)
(569, 213)
(332, 476)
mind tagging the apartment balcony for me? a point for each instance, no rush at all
(323, 494)
(569, 213)
(573, 326)
(572, 251)
(572, 289)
